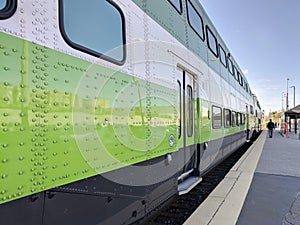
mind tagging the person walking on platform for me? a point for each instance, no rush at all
(270, 127)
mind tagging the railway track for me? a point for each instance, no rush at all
(179, 208)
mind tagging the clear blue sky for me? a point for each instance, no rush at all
(264, 38)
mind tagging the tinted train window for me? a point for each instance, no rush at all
(195, 20)
(7, 8)
(96, 27)
(179, 109)
(190, 113)
(216, 117)
(235, 73)
(176, 4)
(233, 118)
(227, 118)
(223, 56)
(3, 4)
(212, 41)
(238, 119)
(230, 66)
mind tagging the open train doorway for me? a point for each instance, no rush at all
(187, 130)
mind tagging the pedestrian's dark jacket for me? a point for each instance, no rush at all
(270, 125)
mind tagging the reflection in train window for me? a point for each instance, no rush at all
(233, 118)
(223, 56)
(227, 118)
(177, 5)
(195, 20)
(179, 109)
(212, 41)
(216, 117)
(3, 4)
(96, 28)
(190, 113)
(230, 66)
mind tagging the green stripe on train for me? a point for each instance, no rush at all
(64, 119)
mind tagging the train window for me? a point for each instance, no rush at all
(96, 28)
(179, 109)
(216, 117)
(243, 119)
(239, 78)
(177, 5)
(3, 4)
(238, 119)
(251, 109)
(235, 73)
(190, 113)
(7, 8)
(246, 87)
(230, 66)
(223, 56)
(212, 41)
(195, 20)
(227, 118)
(233, 119)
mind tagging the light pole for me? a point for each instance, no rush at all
(294, 95)
(287, 94)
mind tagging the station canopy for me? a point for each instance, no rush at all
(293, 113)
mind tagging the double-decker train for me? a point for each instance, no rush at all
(109, 108)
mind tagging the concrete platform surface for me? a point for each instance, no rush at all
(261, 189)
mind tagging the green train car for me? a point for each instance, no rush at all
(110, 108)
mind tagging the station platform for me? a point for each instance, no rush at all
(263, 187)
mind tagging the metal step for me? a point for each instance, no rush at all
(188, 184)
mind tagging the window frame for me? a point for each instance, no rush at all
(9, 9)
(213, 117)
(92, 52)
(221, 49)
(208, 34)
(188, 18)
(178, 10)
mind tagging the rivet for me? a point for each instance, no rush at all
(20, 187)
(21, 143)
(21, 158)
(4, 160)
(5, 114)
(21, 172)
(4, 124)
(5, 145)
(4, 176)
(6, 99)
(6, 83)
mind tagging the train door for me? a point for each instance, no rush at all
(187, 127)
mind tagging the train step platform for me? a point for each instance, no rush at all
(263, 187)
